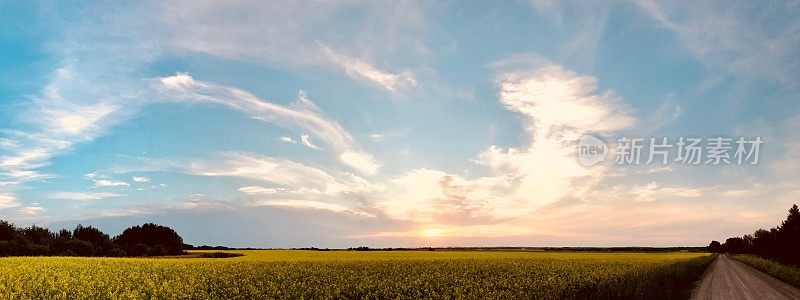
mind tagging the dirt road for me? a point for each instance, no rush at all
(730, 279)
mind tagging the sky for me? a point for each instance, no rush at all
(398, 123)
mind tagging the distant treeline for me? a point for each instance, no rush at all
(145, 240)
(781, 242)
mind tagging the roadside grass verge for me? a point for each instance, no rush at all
(786, 273)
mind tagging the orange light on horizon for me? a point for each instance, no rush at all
(432, 232)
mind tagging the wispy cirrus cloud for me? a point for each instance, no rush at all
(361, 70)
(287, 139)
(303, 115)
(360, 161)
(748, 41)
(306, 204)
(140, 179)
(8, 201)
(259, 190)
(81, 196)
(109, 183)
(283, 172)
(305, 35)
(306, 141)
(96, 88)
(68, 110)
(584, 22)
(312, 187)
(58, 118)
(34, 210)
(101, 180)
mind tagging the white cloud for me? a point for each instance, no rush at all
(8, 201)
(109, 183)
(66, 115)
(32, 210)
(359, 69)
(302, 115)
(434, 196)
(280, 171)
(558, 101)
(17, 177)
(749, 192)
(287, 139)
(559, 106)
(363, 162)
(259, 190)
(78, 119)
(81, 196)
(101, 180)
(140, 179)
(31, 158)
(305, 204)
(306, 141)
(68, 110)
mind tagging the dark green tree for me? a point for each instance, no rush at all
(151, 236)
(98, 241)
(789, 237)
(715, 247)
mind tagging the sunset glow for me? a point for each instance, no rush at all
(384, 123)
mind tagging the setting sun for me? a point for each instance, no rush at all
(432, 232)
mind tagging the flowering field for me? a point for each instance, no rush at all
(359, 275)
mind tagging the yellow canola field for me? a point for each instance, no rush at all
(295, 274)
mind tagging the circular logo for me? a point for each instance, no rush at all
(591, 150)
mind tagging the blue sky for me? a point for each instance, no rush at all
(396, 123)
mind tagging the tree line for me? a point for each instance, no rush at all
(145, 240)
(781, 242)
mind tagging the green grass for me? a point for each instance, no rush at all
(786, 273)
(358, 275)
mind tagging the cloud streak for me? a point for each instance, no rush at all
(276, 170)
(359, 69)
(82, 196)
(8, 201)
(303, 115)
